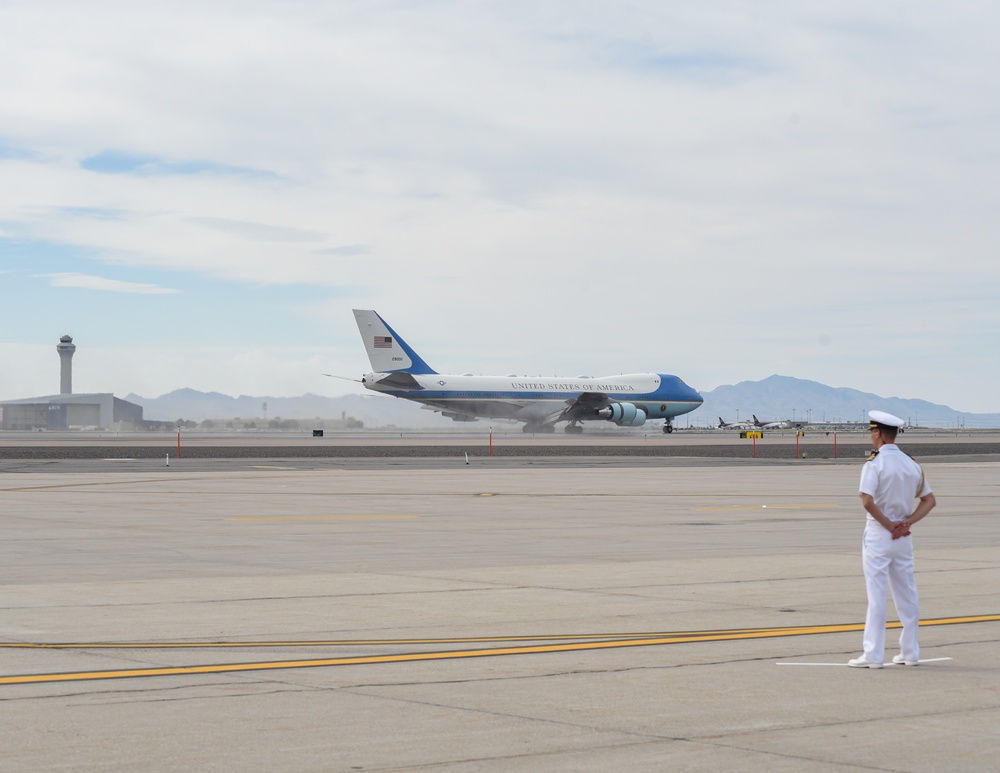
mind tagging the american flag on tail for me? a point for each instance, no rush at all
(383, 342)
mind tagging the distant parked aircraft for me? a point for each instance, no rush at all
(723, 424)
(781, 424)
(540, 402)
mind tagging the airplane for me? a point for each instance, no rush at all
(539, 402)
(733, 425)
(782, 424)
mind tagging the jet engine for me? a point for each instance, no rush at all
(623, 414)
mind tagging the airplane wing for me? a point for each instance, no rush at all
(585, 406)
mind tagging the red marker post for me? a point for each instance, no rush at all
(178, 442)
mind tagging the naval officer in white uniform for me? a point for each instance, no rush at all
(890, 483)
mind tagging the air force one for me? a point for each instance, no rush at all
(539, 402)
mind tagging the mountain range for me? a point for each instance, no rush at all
(773, 398)
(784, 397)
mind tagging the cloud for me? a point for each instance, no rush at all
(346, 250)
(90, 282)
(259, 231)
(96, 213)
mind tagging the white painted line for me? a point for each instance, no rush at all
(927, 660)
(890, 663)
(810, 664)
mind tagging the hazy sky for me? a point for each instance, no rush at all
(200, 192)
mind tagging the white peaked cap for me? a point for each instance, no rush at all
(886, 419)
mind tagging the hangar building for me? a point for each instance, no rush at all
(70, 412)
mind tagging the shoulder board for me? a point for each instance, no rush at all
(871, 456)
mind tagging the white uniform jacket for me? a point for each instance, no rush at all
(894, 480)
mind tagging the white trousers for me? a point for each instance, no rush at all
(889, 561)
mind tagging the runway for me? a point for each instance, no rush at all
(403, 614)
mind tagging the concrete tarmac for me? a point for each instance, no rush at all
(506, 615)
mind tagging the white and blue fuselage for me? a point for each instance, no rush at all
(538, 401)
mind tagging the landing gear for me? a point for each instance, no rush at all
(536, 428)
(668, 427)
(573, 429)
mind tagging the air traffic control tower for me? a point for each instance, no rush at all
(66, 348)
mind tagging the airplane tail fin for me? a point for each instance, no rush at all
(387, 352)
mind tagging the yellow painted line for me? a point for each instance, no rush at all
(366, 659)
(366, 642)
(768, 507)
(721, 633)
(326, 518)
(683, 638)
